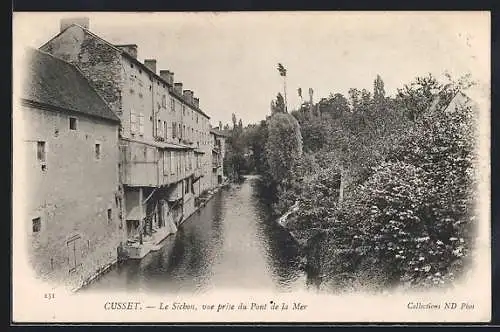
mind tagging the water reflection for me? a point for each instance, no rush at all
(233, 242)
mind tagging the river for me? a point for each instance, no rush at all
(232, 242)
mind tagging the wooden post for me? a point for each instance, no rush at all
(141, 216)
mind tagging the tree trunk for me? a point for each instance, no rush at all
(342, 184)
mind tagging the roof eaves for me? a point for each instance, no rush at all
(49, 107)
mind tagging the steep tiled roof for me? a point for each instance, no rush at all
(55, 83)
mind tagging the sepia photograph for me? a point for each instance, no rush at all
(251, 167)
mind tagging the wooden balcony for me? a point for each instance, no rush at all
(142, 165)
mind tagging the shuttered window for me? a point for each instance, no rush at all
(141, 124)
(133, 123)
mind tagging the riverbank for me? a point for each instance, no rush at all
(153, 244)
(233, 242)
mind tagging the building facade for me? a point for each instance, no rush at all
(218, 147)
(71, 185)
(164, 137)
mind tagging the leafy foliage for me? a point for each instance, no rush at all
(407, 214)
(283, 147)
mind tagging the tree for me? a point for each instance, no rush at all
(235, 147)
(256, 138)
(378, 89)
(418, 96)
(282, 72)
(278, 105)
(354, 98)
(234, 119)
(335, 105)
(283, 147)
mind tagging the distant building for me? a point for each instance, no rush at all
(72, 193)
(165, 146)
(218, 143)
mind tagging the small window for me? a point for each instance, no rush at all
(72, 123)
(131, 65)
(40, 152)
(37, 224)
(97, 151)
(110, 216)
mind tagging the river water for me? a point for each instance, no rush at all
(231, 243)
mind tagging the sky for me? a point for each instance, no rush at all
(229, 59)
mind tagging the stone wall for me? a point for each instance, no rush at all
(98, 60)
(72, 195)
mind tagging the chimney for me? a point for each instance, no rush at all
(151, 64)
(168, 76)
(81, 21)
(129, 48)
(197, 102)
(178, 88)
(164, 74)
(188, 96)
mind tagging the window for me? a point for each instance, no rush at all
(165, 126)
(40, 151)
(180, 130)
(110, 216)
(186, 186)
(72, 123)
(141, 124)
(97, 151)
(172, 104)
(164, 101)
(171, 162)
(174, 129)
(145, 153)
(133, 123)
(37, 224)
(159, 129)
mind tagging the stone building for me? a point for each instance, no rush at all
(218, 144)
(164, 143)
(71, 192)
